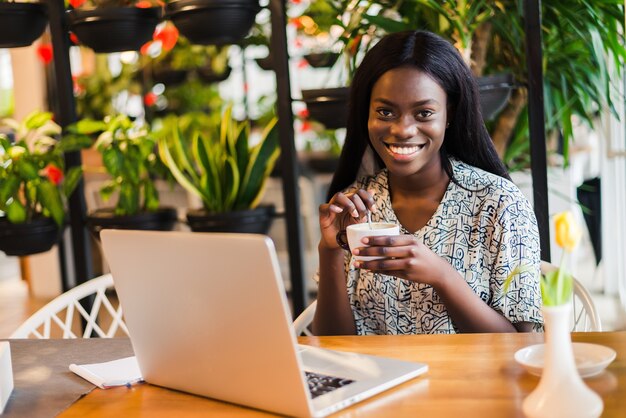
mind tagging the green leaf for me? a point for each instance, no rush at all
(8, 189)
(88, 127)
(113, 161)
(27, 170)
(151, 196)
(72, 177)
(16, 212)
(262, 160)
(36, 119)
(107, 190)
(50, 198)
(168, 160)
(74, 142)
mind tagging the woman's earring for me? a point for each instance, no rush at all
(447, 125)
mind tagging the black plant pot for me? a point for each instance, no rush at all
(252, 221)
(21, 23)
(168, 76)
(328, 106)
(114, 29)
(322, 59)
(495, 91)
(163, 219)
(213, 22)
(33, 237)
(207, 74)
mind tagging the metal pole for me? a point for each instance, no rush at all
(536, 121)
(288, 156)
(66, 114)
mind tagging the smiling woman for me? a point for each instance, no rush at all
(417, 154)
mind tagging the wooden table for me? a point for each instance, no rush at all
(471, 375)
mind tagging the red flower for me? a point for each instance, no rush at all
(150, 99)
(54, 174)
(168, 35)
(146, 48)
(76, 3)
(296, 22)
(143, 4)
(303, 63)
(44, 51)
(305, 127)
(304, 113)
(74, 38)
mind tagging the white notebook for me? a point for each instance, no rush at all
(120, 372)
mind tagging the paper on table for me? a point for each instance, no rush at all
(120, 372)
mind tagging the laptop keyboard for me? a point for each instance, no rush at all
(320, 384)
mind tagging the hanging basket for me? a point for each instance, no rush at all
(495, 91)
(21, 23)
(252, 221)
(322, 59)
(163, 219)
(328, 106)
(207, 75)
(213, 22)
(36, 236)
(114, 29)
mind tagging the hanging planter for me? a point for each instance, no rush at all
(162, 219)
(33, 237)
(252, 221)
(213, 22)
(114, 29)
(495, 91)
(328, 106)
(21, 23)
(209, 76)
(322, 59)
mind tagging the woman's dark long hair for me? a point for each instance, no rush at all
(466, 138)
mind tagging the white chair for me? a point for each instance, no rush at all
(585, 314)
(57, 319)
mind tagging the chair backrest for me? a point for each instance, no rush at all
(57, 319)
(302, 323)
(585, 315)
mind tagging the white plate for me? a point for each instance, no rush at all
(590, 359)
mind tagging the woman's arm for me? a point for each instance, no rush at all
(333, 315)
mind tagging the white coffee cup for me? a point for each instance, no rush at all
(358, 231)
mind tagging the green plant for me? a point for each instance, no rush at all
(128, 155)
(33, 180)
(221, 167)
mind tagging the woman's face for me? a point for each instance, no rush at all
(407, 120)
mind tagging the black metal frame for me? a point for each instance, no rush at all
(290, 170)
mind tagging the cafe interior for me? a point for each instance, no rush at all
(165, 169)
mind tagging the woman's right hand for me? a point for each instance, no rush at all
(343, 209)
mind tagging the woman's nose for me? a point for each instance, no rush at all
(404, 128)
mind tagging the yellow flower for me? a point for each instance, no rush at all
(567, 231)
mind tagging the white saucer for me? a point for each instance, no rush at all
(590, 359)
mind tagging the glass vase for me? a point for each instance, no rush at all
(561, 391)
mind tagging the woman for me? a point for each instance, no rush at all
(463, 225)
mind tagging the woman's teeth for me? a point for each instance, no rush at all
(405, 150)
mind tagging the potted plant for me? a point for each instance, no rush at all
(34, 184)
(21, 23)
(128, 156)
(223, 169)
(113, 25)
(211, 22)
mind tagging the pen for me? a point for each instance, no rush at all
(126, 383)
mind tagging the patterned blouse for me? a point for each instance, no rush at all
(484, 230)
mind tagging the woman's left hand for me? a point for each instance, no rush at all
(404, 257)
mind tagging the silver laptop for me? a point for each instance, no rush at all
(208, 315)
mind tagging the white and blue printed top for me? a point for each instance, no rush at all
(484, 227)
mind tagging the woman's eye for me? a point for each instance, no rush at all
(423, 114)
(385, 113)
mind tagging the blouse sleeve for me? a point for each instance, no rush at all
(517, 244)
